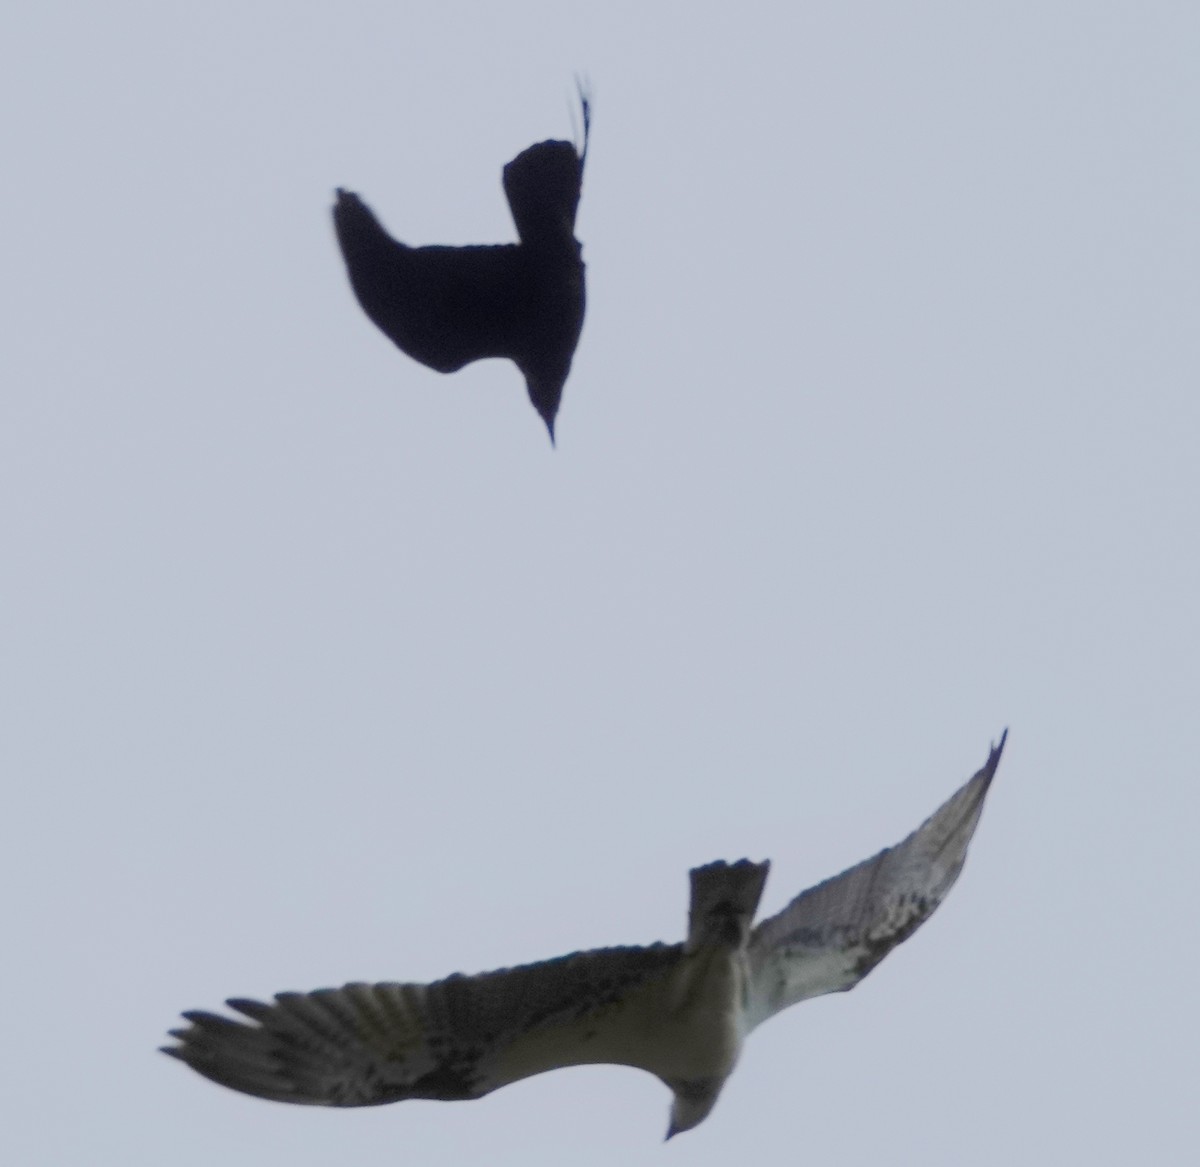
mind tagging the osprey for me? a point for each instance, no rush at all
(680, 1011)
(449, 306)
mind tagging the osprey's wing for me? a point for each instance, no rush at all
(362, 1045)
(443, 306)
(830, 936)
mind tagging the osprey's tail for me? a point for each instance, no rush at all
(724, 899)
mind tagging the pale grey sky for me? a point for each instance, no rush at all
(318, 666)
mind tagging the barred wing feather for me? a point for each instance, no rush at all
(830, 936)
(459, 1038)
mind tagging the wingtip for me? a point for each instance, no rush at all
(983, 778)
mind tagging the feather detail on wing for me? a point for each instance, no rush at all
(363, 1045)
(830, 936)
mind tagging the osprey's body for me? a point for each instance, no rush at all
(680, 1012)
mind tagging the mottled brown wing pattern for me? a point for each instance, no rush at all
(459, 1038)
(830, 936)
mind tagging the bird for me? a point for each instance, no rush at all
(680, 1011)
(448, 306)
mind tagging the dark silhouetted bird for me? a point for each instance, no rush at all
(449, 306)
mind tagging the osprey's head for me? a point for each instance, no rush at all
(693, 1100)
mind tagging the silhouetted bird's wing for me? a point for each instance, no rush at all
(444, 306)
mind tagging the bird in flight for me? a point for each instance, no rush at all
(679, 1011)
(449, 306)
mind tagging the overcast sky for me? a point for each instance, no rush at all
(319, 666)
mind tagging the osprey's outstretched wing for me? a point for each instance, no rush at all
(362, 1045)
(830, 936)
